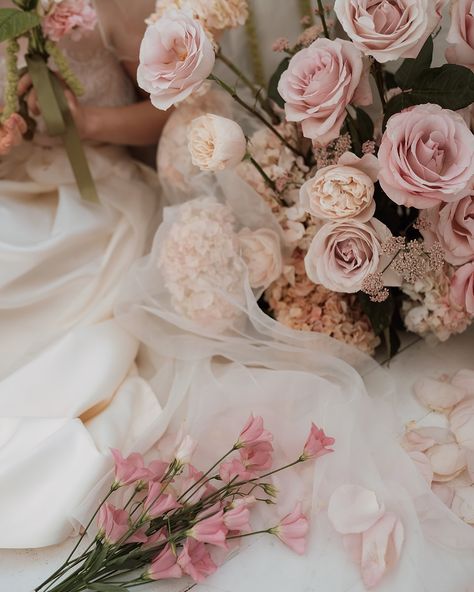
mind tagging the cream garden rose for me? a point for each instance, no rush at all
(342, 191)
(388, 29)
(260, 249)
(176, 57)
(216, 143)
(343, 254)
(215, 15)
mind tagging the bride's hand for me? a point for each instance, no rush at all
(78, 111)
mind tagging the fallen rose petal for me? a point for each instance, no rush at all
(354, 509)
(444, 492)
(437, 395)
(463, 503)
(423, 464)
(447, 461)
(421, 439)
(464, 379)
(462, 424)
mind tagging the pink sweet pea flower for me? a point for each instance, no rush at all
(234, 470)
(211, 530)
(257, 457)
(253, 432)
(128, 470)
(195, 561)
(158, 503)
(164, 566)
(317, 444)
(237, 519)
(114, 524)
(292, 530)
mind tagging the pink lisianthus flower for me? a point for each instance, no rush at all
(234, 470)
(257, 457)
(114, 524)
(11, 133)
(237, 518)
(164, 566)
(157, 470)
(129, 470)
(186, 450)
(210, 529)
(195, 561)
(317, 444)
(69, 17)
(292, 530)
(188, 480)
(252, 433)
(158, 503)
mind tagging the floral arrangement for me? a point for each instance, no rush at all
(44, 23)
(369, 172)
(168, 520)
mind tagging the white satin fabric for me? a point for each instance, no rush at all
(69, 389)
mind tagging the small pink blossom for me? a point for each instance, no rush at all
(211, 530)
(69, 16)
(234, 470)
(164, 566)
(11, 133)
(253, 432)
(257, 457)
(128, 470)
(114, 524)
(293, 529)
(158, 503)
(157, 470)
(195, 561)
(237, 519)
(317, 443)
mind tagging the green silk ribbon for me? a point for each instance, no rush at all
(60, 122)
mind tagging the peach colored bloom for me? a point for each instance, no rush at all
(129, 470)
(176, 57)
(317, 443)
(261, 251)
(195, 561)
(164, 566)
(292, 530)
(11, 133)
(69, 17)
(321, 80)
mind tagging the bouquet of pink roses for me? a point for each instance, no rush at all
(173, 519)
(368, 172)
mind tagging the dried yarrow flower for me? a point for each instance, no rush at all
(281, 44)
(374, 287)
(368, 147)
(393, 245)
(436, 257)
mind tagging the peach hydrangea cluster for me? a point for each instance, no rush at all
(165, 519)
(443, 450)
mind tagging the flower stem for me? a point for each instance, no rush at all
(322, 16)
(267, 179)
(255, 113)
(248, 534)
(377, 73)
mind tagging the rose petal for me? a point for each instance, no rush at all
(437, 395)
(423, 464)
(464, 379)
(444, 492)
(463, 503)
(462, 423)
(354, 509)
(447, 461)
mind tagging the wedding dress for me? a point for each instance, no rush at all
(69, 389)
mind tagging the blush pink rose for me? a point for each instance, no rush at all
(320, 82)
(426, 157)
(343, 254)
(462, 288)
(461, 34)
(176, 57)
(69, 17)
(452, 225)
(388, 29)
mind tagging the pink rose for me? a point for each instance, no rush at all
(176, 57)
(452, 224)
(388, 29)
(320, 82)
(462, 288)
(461, 34)
(426, 157)
(343, 254)
(68, 16)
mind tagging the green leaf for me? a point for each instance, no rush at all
(397, 104)
(107, 587)
(380, 313)
(408, 73)
(450, 86)
(365, 125)
(392, 341)
(14, 23)
(96, 560)
(274, 80)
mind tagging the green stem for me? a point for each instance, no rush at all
(377, 73)
(255, 113)
(322, 16)
(201, 483)
(306, 10)
(248, 534)
(267, 179)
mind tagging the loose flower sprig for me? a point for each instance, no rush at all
(174, 516)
